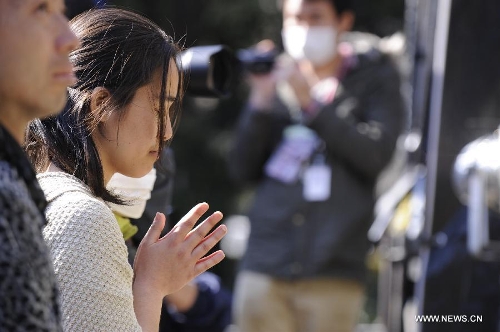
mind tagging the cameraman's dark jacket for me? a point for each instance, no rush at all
(290, 237)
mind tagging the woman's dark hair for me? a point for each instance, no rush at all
(120, 51)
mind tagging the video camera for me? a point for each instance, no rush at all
(212, 70)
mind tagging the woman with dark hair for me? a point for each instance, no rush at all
(120, 114)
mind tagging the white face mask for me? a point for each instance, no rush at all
(317, 44)
(135, 191)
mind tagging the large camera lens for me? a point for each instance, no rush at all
(208, 70)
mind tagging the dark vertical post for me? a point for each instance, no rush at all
(463, 104)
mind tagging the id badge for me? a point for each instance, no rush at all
(317, 179)
(295, 149)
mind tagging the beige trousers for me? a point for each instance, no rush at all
(264, 304)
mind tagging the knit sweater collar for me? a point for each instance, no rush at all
(54, 184)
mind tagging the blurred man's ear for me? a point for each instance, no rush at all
(346, 20)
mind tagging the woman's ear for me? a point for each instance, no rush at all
(346, 21)
(98, 99)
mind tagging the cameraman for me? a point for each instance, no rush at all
(315, 135)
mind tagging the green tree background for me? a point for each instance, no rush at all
(206, 129)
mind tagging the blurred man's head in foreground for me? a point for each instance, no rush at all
(35, 70)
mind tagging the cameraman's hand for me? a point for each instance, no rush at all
(262, 86)
(302, 78)
(164, 265)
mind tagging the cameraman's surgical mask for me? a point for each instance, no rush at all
(136, 191)
(317, 44)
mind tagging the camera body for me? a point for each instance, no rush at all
(211, 70)
(257, 62)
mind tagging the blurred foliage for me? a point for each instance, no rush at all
(204, 136)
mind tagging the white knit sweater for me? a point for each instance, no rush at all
(90, 257)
